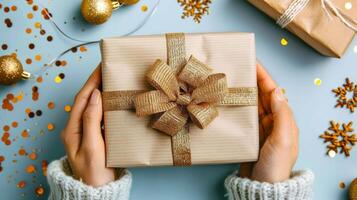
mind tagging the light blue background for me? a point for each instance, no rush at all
(294, 67)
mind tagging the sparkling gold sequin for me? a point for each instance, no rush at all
(284, 42)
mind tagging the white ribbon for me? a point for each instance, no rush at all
(327, 6)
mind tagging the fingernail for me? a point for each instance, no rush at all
(94, 98)
(279, 94)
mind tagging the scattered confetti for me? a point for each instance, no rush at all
(29, 15)
(67, 108)
(6, 128)
(28, 30)
(38, 57)
(342, 95)
(44, 165)
(82, 49)
(35, 93)
(38, 113)
(14, 124)
(28, 61)
(317, 81)
(8, 22)
(25, 134)
(51, 105)
(38, 25)
(39, 79)
(30, 169)
(39, 191)
(284, 42)
(195, 9)
(33, 156)
(348, 5)
(21, 184)
(50, 126)
(144, 8)
(22, 152)
(340, 138)
(49, 38)
(4, 47)
(331, 153)
(58, 79)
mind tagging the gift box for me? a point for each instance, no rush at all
(180, 99)
(325, 25)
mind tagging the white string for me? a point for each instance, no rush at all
(351, 23)
(83, 42)
(327, 6)
(290, 13)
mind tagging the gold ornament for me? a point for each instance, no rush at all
(11, 70)
(128, 2)
(96, 11)
(353, 190)
(99, 11)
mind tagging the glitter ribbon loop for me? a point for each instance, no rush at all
(185, 91)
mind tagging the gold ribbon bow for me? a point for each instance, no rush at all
(184, 90)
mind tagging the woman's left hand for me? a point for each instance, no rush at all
(83, 138)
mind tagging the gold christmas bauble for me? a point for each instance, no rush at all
(11, 70)
(96, 11)
(128, 2)
(353, 190)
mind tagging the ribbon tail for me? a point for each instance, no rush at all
(181, 150)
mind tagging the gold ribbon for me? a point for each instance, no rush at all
(185, 91)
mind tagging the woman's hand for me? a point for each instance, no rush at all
(83, 138)
(278, 134)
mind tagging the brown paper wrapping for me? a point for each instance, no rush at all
(231, 138)
(329, 37)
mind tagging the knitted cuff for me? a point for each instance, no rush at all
(64, 187)
(299, 186)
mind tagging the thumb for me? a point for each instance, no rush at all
(92, 118)
(282, 114)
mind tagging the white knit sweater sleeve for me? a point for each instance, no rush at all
(298, 187)
(64, 187)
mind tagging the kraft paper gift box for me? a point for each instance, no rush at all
(329, 36)
(232, 137)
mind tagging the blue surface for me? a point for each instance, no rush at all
(294, 67)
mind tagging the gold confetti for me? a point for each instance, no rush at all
(58, 79)
(51, 105)
(67, 108)
(342, 185)
(284, 42)
(28, 30)
(348, 5)
(38, 25)
(144, 8)
(39, 191)
(317, 81)
(38, 57)
(30, 169)
(50, 126)
(331, 153)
